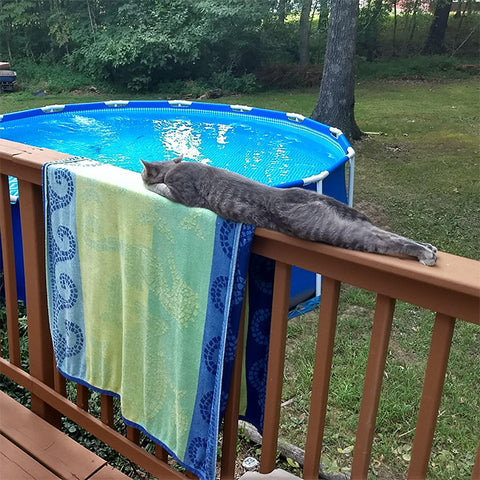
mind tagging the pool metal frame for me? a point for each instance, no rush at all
(332, 133)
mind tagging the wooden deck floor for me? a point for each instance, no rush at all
(31, 448)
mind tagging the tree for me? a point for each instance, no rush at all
(371, 20)
(304, 32)
(282, 11)
(435, 43)
(335, 104)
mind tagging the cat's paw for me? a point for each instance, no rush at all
(428, 256)
(431, 247)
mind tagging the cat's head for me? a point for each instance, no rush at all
(154, 172)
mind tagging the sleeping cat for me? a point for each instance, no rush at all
(294, 211)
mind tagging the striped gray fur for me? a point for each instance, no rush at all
(294, 211)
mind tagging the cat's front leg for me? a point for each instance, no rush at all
(162, 189)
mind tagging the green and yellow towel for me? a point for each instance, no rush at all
(144, 300)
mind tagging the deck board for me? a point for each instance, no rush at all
(109, 473)
(29, 440)
(18, 465)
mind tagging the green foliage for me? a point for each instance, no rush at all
(290, 75)
(437, 66)
(51, 77)
(372, 19)
(137, 42)
(278, 42)
(228, 83)
(139, 46)
(219, 85)
(145, 43)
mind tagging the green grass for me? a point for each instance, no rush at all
(458, 424)
(423, 173)
(419, 177)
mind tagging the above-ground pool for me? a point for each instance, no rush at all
(274, 148)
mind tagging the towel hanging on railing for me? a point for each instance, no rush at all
(144, 300)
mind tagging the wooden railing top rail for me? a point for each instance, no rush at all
(451, 287)
(25, 161)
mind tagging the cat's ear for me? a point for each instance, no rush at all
(178, 159)
(149, 168)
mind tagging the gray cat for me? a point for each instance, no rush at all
(293, 211)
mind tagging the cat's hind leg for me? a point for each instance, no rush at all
(428, 256)
(392, 244)
(429, 246)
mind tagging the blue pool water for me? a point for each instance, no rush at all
(268, 148)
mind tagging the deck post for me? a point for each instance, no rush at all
(8, 255)
(39, 339)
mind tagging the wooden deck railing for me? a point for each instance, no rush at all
(451, 289)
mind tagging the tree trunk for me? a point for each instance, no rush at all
(323, 16)
(335, 104)
(416, 5)
(394, 39)
(282, 11)
(435, 43)
(304, 32)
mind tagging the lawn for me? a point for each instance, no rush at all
(417, 173)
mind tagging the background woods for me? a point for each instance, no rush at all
(140, 45)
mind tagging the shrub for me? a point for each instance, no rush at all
(414, 67)
(49, 76)
(290, 76)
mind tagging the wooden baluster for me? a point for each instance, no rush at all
(476, 465)
(276, 360)
(230, 424)
(39, 339)
(327, 322)
(60, 382)
(161, 453)
(82, 397)
(8, 255)
(382, 326)
(133, 434)
(106, 409)
(431, 395)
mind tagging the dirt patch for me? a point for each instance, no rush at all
(400, 354)
(398, 152)
(91, 90)
(374, 212)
